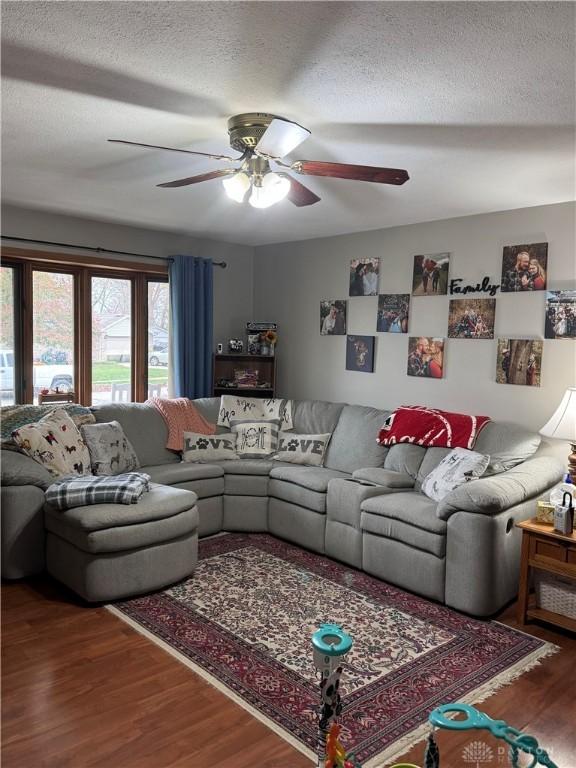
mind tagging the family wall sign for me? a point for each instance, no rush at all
(484, 287)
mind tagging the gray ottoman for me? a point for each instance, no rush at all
(110, 551)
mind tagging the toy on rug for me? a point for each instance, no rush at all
(331, 644)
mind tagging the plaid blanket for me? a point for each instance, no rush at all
(73, 491)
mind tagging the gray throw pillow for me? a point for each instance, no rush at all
(308, 450)
(110, 450)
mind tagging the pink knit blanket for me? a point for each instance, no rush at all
(181, 415)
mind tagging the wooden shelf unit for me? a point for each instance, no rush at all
(226, 365)
(546, 550)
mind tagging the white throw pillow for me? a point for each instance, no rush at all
(255, 409)
(207, 448)
(302, 449)
(56, 443)
(458, 467)
(255, 439)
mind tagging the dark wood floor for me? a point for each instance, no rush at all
(81, 688)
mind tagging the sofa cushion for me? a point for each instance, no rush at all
(313, 478)
(116, 527)
(159, 503)
(297, 494)
(247, 466)
(507, 445)
(170, 474)
(384, 477)
(144, 427)
(406, 517)
(18, 469)
(405, 458)
(315, 416)
(353, 443)
(246, 485)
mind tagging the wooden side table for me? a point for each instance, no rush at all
(545, 550)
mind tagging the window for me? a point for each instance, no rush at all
(111, 340)
(158, 317)
(96, 326)
(53, 332)
(7, 392)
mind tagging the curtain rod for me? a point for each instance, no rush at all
(98, 250)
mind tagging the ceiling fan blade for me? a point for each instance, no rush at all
(171, 149)
(198, 179)
(280, 138)
(354, 172)
(300, 195)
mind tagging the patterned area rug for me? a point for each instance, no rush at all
(245, 618)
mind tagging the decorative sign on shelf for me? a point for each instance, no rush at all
(484, 287)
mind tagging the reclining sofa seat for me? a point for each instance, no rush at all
(363, 507)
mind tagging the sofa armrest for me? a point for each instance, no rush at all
(494, 494)
(19, 469)
(386, 477)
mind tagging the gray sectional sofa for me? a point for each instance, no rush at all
(363, 507)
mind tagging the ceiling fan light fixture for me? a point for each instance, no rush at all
(270, 191)
(236, 186)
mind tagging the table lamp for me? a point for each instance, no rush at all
(562, 426)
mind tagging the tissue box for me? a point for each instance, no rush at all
(545, 512)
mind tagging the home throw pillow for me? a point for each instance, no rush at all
(55, 442)
(302, 449)
(459, 467)
(207, 448)
(255, 409)
(256, 439)
(111, 453)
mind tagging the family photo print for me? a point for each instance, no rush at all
(364, 277)
(393, 310)
(430, 277)
(471, 318)
(425, 357)
(524, 267)
(519, 361)
(560, 320)
(333, 317)
(360, 354)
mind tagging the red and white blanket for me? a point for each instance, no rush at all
(431, 427)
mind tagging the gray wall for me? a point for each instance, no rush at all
(233, 286)
(291, 279)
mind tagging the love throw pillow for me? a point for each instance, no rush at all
(207, 448)
(459, 467)
(256, 439)
(302, 449)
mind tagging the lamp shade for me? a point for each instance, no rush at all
(562, 425)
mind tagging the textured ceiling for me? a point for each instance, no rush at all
(475, 100)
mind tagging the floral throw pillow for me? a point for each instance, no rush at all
(55, 442)
(459, 467)
(206, 448)
(302, 449)
(255, 439)
(111, 453)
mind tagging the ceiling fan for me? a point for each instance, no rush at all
(263, 139)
